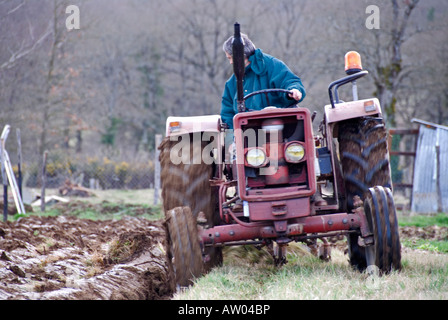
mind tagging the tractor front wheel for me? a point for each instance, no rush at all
(379, 208)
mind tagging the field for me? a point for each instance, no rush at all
(88, 248)
(305, 277)
(111, 247)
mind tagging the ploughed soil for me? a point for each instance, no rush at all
(66, 257)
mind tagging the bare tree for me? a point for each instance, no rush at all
(30, 38)
(138, 63)
(383, 48)
(195, 56)
(51, 97)
(390, 72)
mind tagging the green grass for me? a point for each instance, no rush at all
(424, 276)
(105, 204)
(248, 274)
(103, 211)
(422, 221)
(141, 196)
(428, 245)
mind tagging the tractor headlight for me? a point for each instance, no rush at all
(256, 157)
(294, 152)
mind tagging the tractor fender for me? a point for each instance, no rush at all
(182, 125)
(353, 109)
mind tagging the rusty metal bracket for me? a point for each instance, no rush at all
(366, 238)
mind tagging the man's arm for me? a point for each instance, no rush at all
(283, 77)
(227, 112)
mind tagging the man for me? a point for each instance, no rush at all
(262, 72)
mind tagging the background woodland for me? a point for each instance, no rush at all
(96, 97)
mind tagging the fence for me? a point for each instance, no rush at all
(9, 176)
(402, 160)
(58, 168)
(94, 173)
(430, 192)
(419, 158)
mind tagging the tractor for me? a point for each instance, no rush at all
(272, 180)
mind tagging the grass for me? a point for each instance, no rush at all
(102, 211)
(106, 204)
(426, 221)
(248, 274)
(422, 221)
(141, 196)
(437, 246)
(424, 276)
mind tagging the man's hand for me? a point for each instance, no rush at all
(295, 94)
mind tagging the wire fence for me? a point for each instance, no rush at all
(66, 172)
(71, 173)
(94, 173)
(99, 171)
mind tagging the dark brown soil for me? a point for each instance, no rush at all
(69, 258)
(428, 233)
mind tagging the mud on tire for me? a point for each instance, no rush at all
(188, 184)
(364, 157)
(184, 252)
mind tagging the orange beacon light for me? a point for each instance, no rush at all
(352, 62)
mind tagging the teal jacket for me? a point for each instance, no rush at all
(263, 72)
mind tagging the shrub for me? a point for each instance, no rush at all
(110, 174)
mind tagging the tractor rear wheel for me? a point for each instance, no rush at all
(379, 208)
(365, 163)
(188, 184)
(184, 252)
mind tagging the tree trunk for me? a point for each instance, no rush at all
(390, 73)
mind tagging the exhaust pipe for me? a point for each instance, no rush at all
(238, 66)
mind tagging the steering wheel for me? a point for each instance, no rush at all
(267, 91)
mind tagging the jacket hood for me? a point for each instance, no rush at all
(257, 62)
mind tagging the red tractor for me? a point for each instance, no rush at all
(271, 181)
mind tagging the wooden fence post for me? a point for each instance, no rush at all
(19, 163)
(438, 188)
(44, 181)
(158, 140)
(5, 187)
